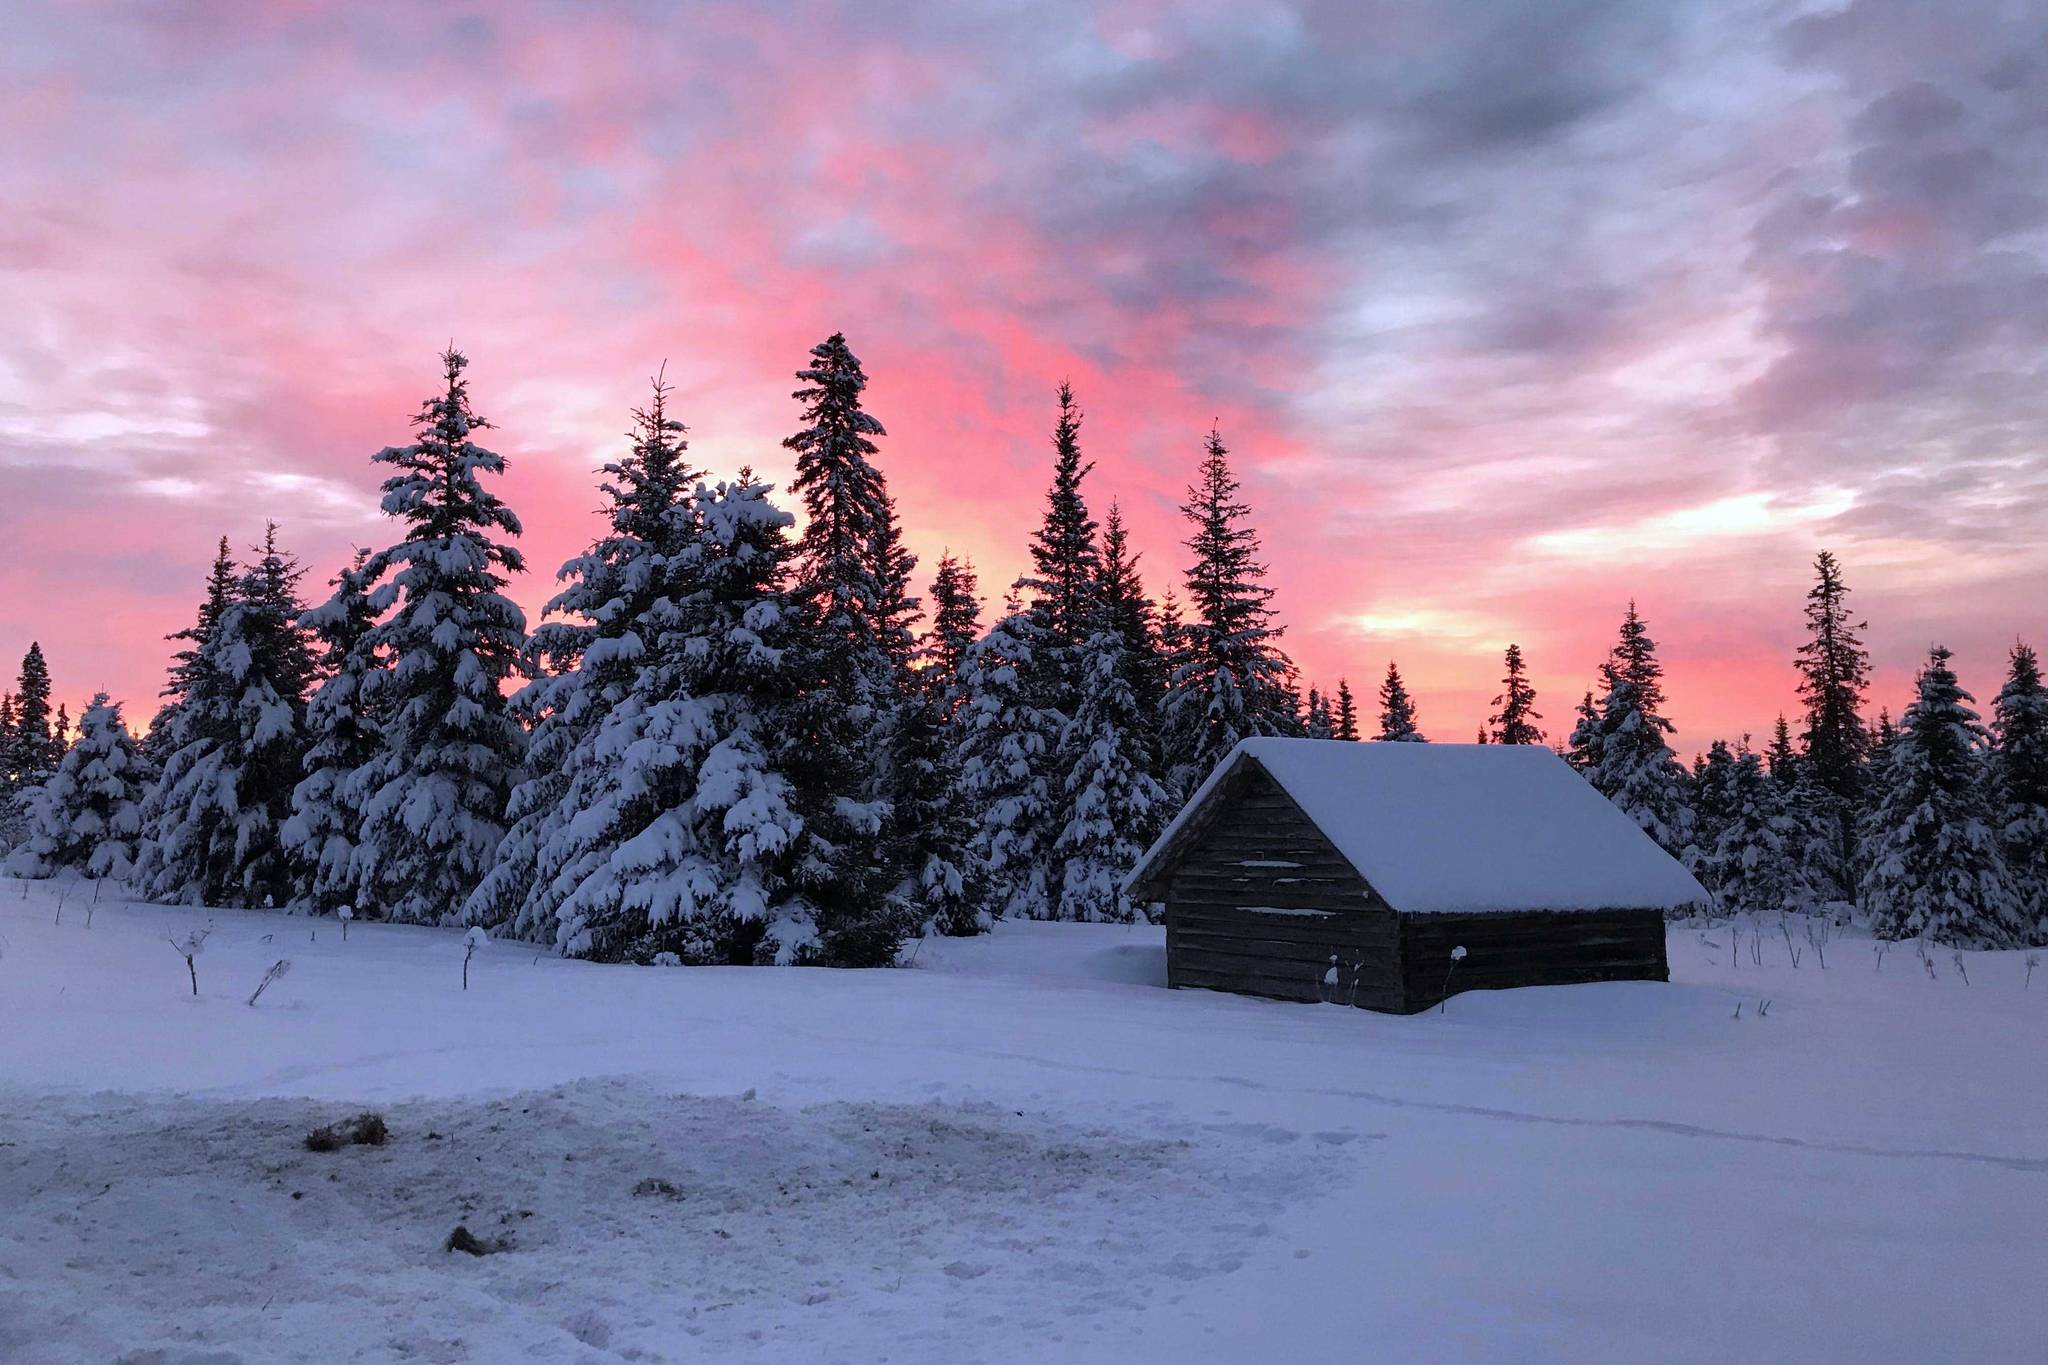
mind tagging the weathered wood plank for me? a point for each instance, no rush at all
(1225, 939)
(1362, 930)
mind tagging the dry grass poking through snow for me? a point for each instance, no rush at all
(623, 1224)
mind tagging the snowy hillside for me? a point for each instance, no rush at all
(1019, 1148)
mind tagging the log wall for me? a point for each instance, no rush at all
(1539, 948)
(1259, 902)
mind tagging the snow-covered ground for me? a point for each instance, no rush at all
(1020, 1148)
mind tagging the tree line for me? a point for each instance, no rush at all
(734, 742)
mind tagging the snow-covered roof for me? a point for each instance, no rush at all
(1438, 828)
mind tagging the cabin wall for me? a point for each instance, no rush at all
(1543, 948)
(1260, 903)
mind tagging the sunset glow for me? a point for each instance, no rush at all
(1506, 317)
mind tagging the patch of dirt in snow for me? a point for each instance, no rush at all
(179, 1231)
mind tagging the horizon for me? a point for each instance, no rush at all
(1782, 304)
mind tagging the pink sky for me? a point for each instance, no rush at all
(1506, 317)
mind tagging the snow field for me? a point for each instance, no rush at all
(1021, 1148)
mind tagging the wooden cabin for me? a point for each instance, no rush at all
(1322, 870)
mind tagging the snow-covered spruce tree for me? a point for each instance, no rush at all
(687, 838)
(1113, 806)
(25, 763)
(1066, 564)
(1346, 715)
(1514, 719)
(1231, 679)
(1132, 615)
(2019, 727)
(1316, 719)
(434, 794)
(212, 826)
(848, 678)
(222, 582)
(87, 816)
(1936, 868)
(1397, 710)
(1622, 746)
(1755, 864)
(1001, 735)
(1713, 799)
(1582, 747)
(948, 891)
(586, 656)
(1834, 670)
(342, 735)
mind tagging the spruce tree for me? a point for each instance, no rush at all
(1113, 805)
(686, 837)
(1621, 743)
(1514, 719)
(88, 815)
(1756, 863)
(1132, 615)
(1713, 799)
(956, 625)
(949, 887)
(1834, 670)
(434, 795)
(1001, 736)
(1347, 711)
(1231, 681)
(26, 762)
(847, 669)
(1397, 710)
(1936, 865)
(1582, 748)
(2019, 728)
(342, 736)
(213, 824)
(222, 578)
(585, 655)
(1067, 566)
(1317, 718)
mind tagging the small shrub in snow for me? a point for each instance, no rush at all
(471, 941)
(358, 1130)
(189, 947)
(2033, 961)
(667, 960)
(1961, 970)
(277, 969)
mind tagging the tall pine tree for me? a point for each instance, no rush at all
(1514, 720)
(587, 653)
(434, 795)
(1231, 681)
(1834, 670)
(848, 670)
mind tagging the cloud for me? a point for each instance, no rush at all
(1508, 311)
